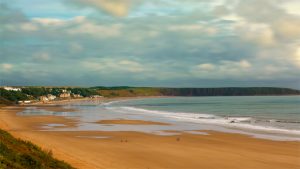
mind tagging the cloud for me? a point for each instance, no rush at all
(297, 57)
(259, 10)
(6, 67)
(28, 27)
(194, 28)
(159, 43)
(76, 47)
(225, 69)
(288, 28)
(49, 21)
(114, 7)
(206, 67)
(261, 34)
(107, 65)
(76, 26)
(42, 56)
(279, 23)
(291, 6)
(93, 29)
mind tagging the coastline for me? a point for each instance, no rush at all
(104, 149)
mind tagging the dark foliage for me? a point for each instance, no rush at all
(36, 91)
(112, 88)
(18, 154)
(85, 92)
(13, 96)
(230, 91)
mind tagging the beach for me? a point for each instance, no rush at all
(128, 149)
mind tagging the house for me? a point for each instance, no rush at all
(51, 97)
(96, 96)
(24, 102)
(65, 95)
(64, 91)
(77, 95)
(43, 98)
(12, 89)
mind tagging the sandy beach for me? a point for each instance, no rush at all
(136, 150)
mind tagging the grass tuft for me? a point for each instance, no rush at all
(19, 154)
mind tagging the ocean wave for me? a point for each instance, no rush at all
(110, 103)
(232, 122)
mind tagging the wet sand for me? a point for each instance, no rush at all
(131, 122)
(124, 150)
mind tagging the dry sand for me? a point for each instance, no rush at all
(124, 150)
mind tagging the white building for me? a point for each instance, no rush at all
(24, 102)
(43, 98)
(51, 97)
(12, 89)
(65, 95)
(96, 96)
(77, 95)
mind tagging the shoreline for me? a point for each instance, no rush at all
(129, 149)
(67, 101)
(257, 131)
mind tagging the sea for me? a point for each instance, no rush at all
(267, 117)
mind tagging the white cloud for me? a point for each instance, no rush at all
(297, 57)
(225, 69)
(106, 65)
(114, 7)
(260, 34)
(42, 56)
(193, 28)
(75, 47)
(260, 46)
(270, 19)
(288, 28)
(244, 64)
(75, 26)
(28, 27)
(6, 67)
(49, 21)
(292, 6)
(206, 67)
(234, 67)
(96, 29)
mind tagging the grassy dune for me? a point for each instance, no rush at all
(19, 154)
(130, 92)
(229, 91)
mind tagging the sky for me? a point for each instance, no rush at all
(166, 43)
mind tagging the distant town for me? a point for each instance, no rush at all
(28, 95)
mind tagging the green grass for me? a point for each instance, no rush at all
(19, 154)
(130, 92)
(5, 102)
(225, 91)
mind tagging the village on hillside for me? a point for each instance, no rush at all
(28, 95)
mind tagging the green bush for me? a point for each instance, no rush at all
(19, 154)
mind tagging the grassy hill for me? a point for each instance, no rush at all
(5, 102)
(18, 154)
(7, 97)
(229, 91)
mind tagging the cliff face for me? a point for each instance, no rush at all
(12, 97)
(230, 91)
